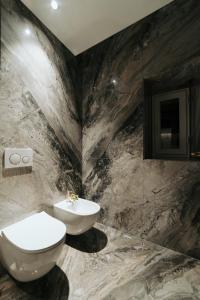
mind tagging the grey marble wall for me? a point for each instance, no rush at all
(154, 199)
(44, 101)
(38, 109)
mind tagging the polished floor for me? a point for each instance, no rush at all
(104, 264)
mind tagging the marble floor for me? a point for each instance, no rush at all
(105, 264)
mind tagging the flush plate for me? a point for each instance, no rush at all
(18, 158)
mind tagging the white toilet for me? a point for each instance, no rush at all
(30, 248)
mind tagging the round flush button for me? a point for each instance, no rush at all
(26, 159)
(15, 159)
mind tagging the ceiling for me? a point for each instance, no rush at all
(81, 24)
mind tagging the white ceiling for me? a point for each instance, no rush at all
(81, 24)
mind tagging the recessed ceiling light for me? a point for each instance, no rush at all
(27, 31)
(54, 4)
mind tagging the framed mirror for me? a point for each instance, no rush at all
(170, 124)
(171, 120)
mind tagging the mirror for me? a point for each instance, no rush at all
(172, 122)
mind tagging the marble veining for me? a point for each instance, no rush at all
(154, 199)
(38, 104)
(113, 266)
(83, 117)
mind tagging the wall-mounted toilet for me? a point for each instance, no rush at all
(79, 216)
(30, 248)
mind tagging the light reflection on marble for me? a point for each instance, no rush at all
(105, 264)
(38, 105)
(154, 199)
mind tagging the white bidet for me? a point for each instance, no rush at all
(79, 216)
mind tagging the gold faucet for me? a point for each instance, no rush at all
(71, 196)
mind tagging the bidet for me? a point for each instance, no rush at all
(79, 215)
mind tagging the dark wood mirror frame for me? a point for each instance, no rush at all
(189, 95)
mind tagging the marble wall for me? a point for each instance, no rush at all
(39, 109)
(154, 199)
(83, 117)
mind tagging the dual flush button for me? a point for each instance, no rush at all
(15, 159)
(18, 157)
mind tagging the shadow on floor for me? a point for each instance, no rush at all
(94, 240)
(53, 286)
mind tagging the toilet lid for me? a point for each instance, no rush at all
(36, 233)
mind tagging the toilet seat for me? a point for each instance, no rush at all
(36, 233)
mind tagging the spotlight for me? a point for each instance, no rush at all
(54, 4)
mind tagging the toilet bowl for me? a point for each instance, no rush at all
(30, 248)
(79, 216)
